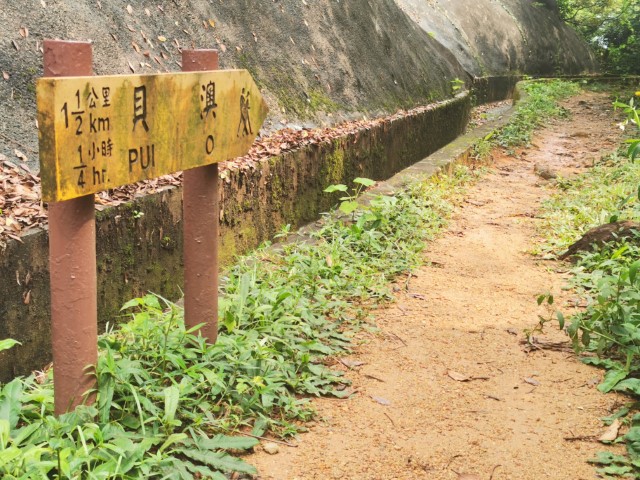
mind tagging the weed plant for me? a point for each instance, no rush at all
(167, 401)
(539, 105)
(608, 280)
(607, 192)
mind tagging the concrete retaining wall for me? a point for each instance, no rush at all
(140, 244)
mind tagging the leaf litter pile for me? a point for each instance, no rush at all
(22, 209)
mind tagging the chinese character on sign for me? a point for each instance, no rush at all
(208, 96)
(106, 93)
(107, 148)
(244, 127)
(140, 107)
(92, 98)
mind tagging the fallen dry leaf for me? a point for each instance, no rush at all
(611, 433)
(458, 377)
(162, 38)
(212, 23)
(351, 363)
(20, 155)
(130, 9)
(5, 75)
(381, 401)
(24, 32)
(532, 381)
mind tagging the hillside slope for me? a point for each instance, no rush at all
(316, 61)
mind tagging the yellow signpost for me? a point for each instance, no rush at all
(98, 133)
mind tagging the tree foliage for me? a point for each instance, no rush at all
(612, 27)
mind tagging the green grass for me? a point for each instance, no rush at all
(167, 401)
(606, 192)
(539, 105)
(607, 280)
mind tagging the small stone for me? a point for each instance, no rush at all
(271, 448)
(544, 172)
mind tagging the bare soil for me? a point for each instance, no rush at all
(528, 414)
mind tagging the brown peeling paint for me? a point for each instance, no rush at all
(200, 207)
(72, 253)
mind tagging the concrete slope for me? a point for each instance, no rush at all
(313, 59)
(497, 37)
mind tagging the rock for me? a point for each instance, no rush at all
(544, 172)
(271, 448)
(600, 235)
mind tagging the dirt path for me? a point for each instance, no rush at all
(465, 314)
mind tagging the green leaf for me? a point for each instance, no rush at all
(151, 301)
(367, 182)
(611, 379)
(634, 149)
(348, 207)
(560, 317)
(336, 188)
(10, 402)
(25, 432)
(259, 427)
(219, 460)
(633, 271)
(131, 303)
(225, 442)
(619, 252)
(618, 104)
(171, 400)
(172, 439)
(205, 472)
(617, 470)
(606, 458)
(8, 343)
(631, 385)
(106, 389)
(5, 432)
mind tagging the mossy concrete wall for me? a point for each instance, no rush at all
(139, 245)
(494, 89)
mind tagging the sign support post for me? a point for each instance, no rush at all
(101, 132)
(72, 260)
(201, 214)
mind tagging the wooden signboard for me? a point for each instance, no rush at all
(102, 132)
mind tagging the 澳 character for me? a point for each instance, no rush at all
(209, 98)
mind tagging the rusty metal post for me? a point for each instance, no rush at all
(201, 217)
(72, 262)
